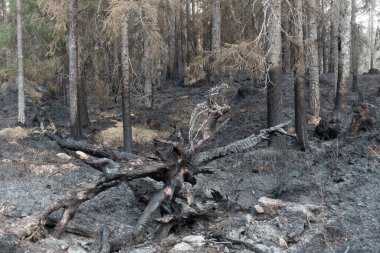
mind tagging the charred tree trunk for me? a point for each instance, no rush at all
(299, 79)
(171, 39)
(20, 61)
(82, 98)
(274, 83)
(344, 56)
(371, 33)
(334, 19)
(286, 57)
(325, 39)
(6, 22)
(75, 128)
(215, 25)
(354, 47)
(179, 56)
(125, 91)
(313, 61)
(147, 68)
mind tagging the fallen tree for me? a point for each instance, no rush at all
(176, 173)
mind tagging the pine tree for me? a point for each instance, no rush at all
(20, 60)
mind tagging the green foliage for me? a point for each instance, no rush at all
(7, 35)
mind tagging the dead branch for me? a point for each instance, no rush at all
(97, 151)
(71, 203)
(240, 145)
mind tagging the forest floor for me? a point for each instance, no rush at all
(330, 195)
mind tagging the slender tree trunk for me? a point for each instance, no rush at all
(216, 25)
(299, 78)
(325, 39)
(82, 98)
(115, 69)
(320, 34)
(354, 47)
(179, 57)
(73, 86)
(313, 61)
(286, 58)
(193, 27)
(125, 91)
(148, 87)
(344, 56)
(188, 40)
(334, 41)
(171, 39)
(274, 83)
(6, 22)
(20, 56)
(372, 33)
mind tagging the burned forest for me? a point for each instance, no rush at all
(149, 126)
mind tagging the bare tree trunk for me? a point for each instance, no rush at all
(286, 58)
(6, 22)
(82, 99)
(274, 61)
(371, 33)
(179, 57)
(125, 91)
(299, 81)
(313, 61)
(20, 56)
(148, 88)
(171, 39)
(334, 41)
(344, 57)
(194, 36)
(115, 69)
(73, 86)
(216, 26)
(325, 36)
(354, 47)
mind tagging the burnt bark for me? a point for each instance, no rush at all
(274, 61)
(75, 128)
(125, 92)
(20, 67)
(344, 57)
(299, 79)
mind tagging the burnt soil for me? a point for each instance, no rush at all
(340, 176)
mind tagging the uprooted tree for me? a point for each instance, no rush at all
(177, 170)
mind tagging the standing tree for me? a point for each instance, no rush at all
(6, 22)
(170, 24)
(299, 77)
(354, 47)
(274, 62)
(313, 62)
(372, 6)
(125, 92)
(20, 56)
(344, 56)
(75, 127)
(334, 16)
(147, 61)
(215, 26)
